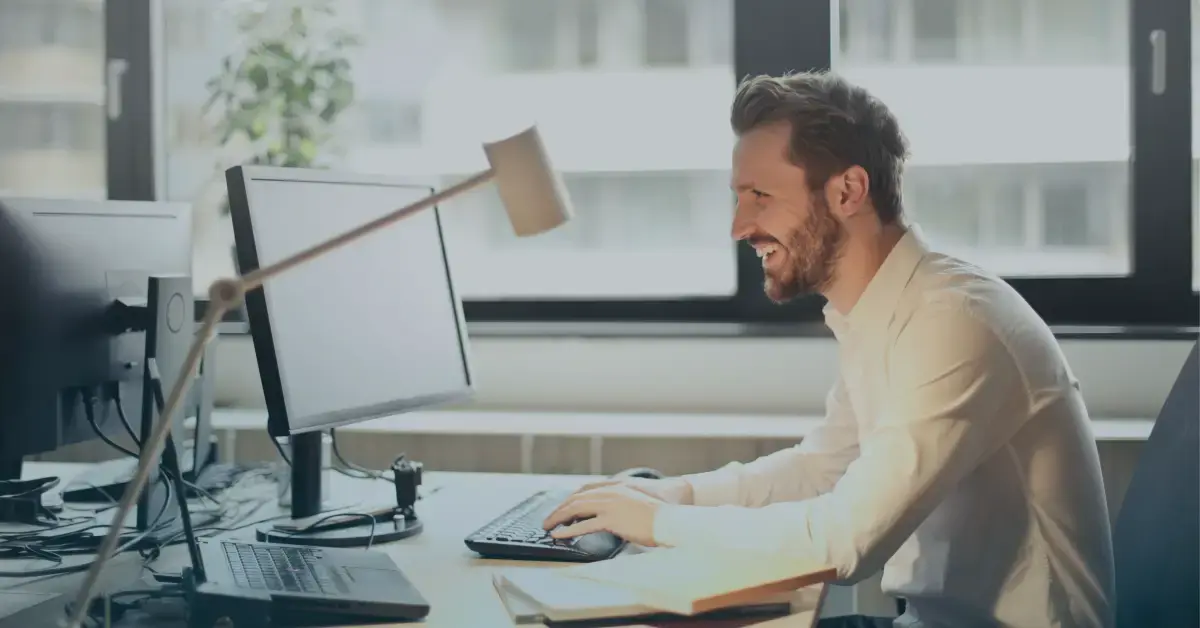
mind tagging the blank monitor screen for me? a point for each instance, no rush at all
(371, 329)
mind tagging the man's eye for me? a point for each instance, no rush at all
(759, 194)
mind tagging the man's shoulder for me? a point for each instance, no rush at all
(946, 283)
(973, 305)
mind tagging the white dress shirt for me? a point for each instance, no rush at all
(956, 454)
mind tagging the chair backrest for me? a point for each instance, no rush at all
(1156, 539)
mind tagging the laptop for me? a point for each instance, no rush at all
(246, 583)
(270, 584)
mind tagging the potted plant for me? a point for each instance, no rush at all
(280, 93)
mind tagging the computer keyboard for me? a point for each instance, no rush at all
(518, 534)
(277, 568)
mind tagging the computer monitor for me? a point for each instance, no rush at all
(366, 331)
(80, 260)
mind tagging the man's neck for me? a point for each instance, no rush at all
(858, 264)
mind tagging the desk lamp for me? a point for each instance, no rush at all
(535, 200)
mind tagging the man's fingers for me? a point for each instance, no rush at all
(573, 509)
(579, 528)
(595, 485)
(557, 514)
(600, 492)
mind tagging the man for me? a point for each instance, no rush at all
(956, 452)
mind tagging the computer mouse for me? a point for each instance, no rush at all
(640, 472)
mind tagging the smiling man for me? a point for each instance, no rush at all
(956, 452)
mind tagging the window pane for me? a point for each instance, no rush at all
(935, 30)
(52, 122)
(666, 33)
(422, 83)
(1026, 186)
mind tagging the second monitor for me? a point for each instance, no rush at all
(367, 331)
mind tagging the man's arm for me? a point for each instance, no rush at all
(801, 472)
(955, 397)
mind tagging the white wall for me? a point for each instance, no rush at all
(1121, 379)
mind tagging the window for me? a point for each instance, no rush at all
(665, 32)
(52, 125)
(946, 205)
(648, 177)
(1023, 117)
(867, 30)
(935, 30)
(1082, 32)
(971, 120)
(187, 23)
(589, 33)
(532, 33)
(392, 122)
(1004, 203)
(68, 24)
(189, 128)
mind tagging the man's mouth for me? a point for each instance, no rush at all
(765, 250)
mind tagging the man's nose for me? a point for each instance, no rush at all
(743, 223)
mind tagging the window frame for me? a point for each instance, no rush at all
(772, 37)
(130, 136)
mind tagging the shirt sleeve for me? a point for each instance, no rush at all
(954, 396)
(801, 472)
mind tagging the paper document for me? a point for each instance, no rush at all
(688, 581)
(540, 595)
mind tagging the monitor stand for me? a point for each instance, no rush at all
(370, 527)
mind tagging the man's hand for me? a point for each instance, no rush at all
(616, 508)
(668, 490)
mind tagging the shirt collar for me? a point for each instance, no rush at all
(878, 301)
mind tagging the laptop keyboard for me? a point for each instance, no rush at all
(278, 568)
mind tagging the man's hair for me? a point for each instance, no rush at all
(834, 125)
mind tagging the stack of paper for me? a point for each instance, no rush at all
(657, 582)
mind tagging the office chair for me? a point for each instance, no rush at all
(1156, 539)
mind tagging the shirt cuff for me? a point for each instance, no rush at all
(715, 488)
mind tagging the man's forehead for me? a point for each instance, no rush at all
(762, 155)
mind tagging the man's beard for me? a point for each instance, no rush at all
(813, 250)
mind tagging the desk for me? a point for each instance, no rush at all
(456, 582)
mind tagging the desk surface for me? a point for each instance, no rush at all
(456, 582)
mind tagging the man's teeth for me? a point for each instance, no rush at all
(764, 251)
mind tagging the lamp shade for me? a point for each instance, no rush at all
(530, 188)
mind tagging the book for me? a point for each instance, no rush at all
(690, 581)
(541, 596)
(662, 584)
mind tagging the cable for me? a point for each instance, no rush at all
(55, 571)
(363, 473)
(279, 448)
(358, 515)
(115, 394)
(89, 412)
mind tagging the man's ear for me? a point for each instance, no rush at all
(848, 192)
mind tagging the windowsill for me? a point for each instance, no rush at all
(548, 329)
(614, 425)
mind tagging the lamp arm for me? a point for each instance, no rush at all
(225, 295)
(134, 488)
(255, 278)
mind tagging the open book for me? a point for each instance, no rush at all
(669, 582)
